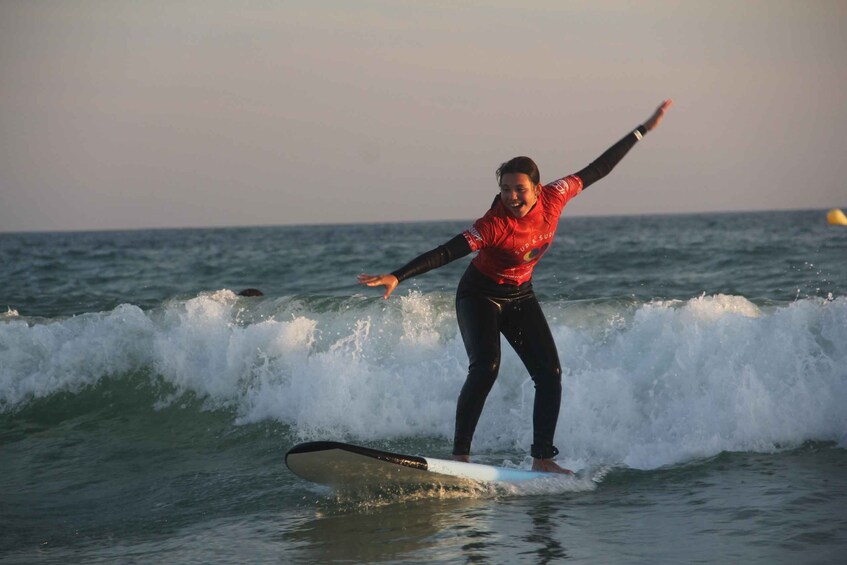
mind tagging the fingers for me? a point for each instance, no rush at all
(388, 290)
(663, 107)
(370, 280)
(657, 116)
(373, 280)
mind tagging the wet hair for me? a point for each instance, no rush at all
(523, 165)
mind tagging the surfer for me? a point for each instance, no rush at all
(495, 294)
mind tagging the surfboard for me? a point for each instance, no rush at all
(344, 466)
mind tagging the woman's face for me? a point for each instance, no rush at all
(518, 193)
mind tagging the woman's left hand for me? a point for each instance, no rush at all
(657, 116)
(390, 282)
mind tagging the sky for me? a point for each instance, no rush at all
(119, 114)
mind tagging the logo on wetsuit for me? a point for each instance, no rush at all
(536, 252)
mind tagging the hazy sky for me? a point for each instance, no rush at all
(127, 114)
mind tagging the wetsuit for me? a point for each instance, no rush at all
(495, 296)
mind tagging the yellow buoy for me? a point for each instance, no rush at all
(836, 217)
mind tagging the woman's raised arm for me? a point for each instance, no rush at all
(604, 164)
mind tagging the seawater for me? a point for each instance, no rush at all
(145, 408)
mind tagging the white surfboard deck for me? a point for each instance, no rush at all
(342, 465)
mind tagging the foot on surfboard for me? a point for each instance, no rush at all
(549, 466)
(542, 465)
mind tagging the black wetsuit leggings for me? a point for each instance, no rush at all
(484, 312)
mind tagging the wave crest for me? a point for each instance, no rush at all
(645, 384)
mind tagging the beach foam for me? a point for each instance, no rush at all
(645, 384)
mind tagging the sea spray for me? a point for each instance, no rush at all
(691, 379)
(41, 359)
(645, 384)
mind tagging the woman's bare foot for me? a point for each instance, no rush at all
(462, 458)
(549, 466)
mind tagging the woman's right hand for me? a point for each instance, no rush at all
(390, 282)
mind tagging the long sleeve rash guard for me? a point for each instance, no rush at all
(510, 247)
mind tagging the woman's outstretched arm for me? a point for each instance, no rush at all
(438, 257)
(604, 164)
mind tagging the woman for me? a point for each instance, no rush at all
(495, 294)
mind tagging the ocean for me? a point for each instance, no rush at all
(146, 408)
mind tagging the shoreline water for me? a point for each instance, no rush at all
(145, 410)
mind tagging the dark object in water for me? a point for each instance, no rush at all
(251, 292)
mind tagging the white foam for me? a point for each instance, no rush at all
(644, 385)
(708, 375)
(43, 359)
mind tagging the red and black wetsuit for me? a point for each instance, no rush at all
(495, 296)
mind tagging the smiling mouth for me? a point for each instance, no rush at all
(518, 207)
